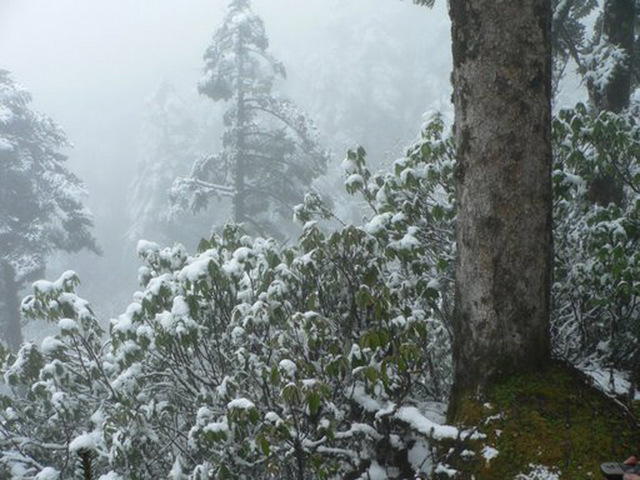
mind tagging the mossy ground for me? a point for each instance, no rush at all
(552, 418)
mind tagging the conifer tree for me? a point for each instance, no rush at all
(41, 201)
(270, 153)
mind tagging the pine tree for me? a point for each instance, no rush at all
(41, 201)
(270, 153)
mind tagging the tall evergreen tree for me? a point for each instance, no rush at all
(270, 154)
(41, 201)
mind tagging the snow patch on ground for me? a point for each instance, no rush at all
(442, 469)
(538, 472)
(489, 453)
(608, 380)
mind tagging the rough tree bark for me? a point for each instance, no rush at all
(502, 96)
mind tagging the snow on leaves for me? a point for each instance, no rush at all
(252, 360)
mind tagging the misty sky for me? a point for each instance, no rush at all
(91, 65)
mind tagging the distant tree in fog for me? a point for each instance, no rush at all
(41, 202)
(169, 145)
(374, 84)
(270, 153)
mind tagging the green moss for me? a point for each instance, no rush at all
(551, 418)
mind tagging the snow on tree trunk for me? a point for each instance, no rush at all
(502, 78)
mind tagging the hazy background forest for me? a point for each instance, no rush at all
(364, 70)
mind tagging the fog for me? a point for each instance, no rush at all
(92, 66)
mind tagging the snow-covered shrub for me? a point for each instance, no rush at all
(318, 360)
(597, 239)
(56, 389)
(252, 360)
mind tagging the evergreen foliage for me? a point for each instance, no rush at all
(270, 153)
(41, 201)
(597, 292)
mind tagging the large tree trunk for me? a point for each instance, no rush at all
(9, 308)
(502, 90)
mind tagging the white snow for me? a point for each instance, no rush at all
(50, 345)
(419, 456)
(422, 424)
(44, 286)
(538, 472)
(242, 254)
(375, 472)
(86, 441)
(197, 268)
(48, 473)
(608, 380)
(349, 166)
(223, 387)
(180, 307)
(110, 476)
(124, 322)
(408, 242)
(364, 400)
(217, 427)
(273, 418)
(288, 367)
(176, 470)
(146, 248)
(361, 428)
(354, 180)
(5, 145)
(240, 404)
(378, 223)
(442, 469)
(67, 324)
(489, 453)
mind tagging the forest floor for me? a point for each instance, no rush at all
(549, 425)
